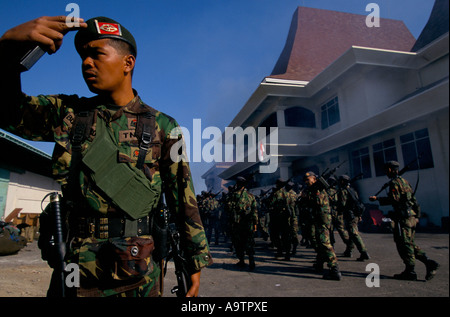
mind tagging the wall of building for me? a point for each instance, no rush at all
(26, 190)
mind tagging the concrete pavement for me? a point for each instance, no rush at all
(296, 278)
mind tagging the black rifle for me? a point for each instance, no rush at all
(184, 282)
(356, 177)
(400, 173)
(60, 245)
(326, 174)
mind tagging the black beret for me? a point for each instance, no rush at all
(392, 164)
(101, 28)
(241, 179)
(308, 174)
(345, 178)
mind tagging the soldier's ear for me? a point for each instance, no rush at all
(129, 63)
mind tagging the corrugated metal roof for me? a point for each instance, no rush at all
(28, 147)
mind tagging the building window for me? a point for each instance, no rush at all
(299, 117)
(270, 121)
(417, 144)
(330, 113)
(361, 163)
(382, 153)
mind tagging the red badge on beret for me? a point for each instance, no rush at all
(108, 28)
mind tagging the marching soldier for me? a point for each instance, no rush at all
(349, 206)
(337, 218)
(282, 213)
(306, 222)
(244, 219)
(212, 205)
(293, 196)
(316, 198)
(405, 216)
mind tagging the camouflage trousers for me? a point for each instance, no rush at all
(337, 222)
(142, 289)
(294, 233)
(282, 235)
(404, 240)
(243, 239)
(354, 236)
(324, 248)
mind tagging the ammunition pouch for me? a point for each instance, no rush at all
(111, 227)
(131, 256)
(126, 186)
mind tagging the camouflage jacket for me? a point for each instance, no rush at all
(293, 196)
(282, 205)
(318, 202)
(401, 197)
(347, 202)
(243, 207)
(211, 204)
(333, 198)
(50, 117)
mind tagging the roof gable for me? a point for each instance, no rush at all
(318, 37)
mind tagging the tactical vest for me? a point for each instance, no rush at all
(125, 185)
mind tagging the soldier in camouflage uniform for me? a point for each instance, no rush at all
(212, 206)
(244, 222)
(316, 198)
(110, 238)
(405, 216)
(282, 213)
(263, 216)
(305, 222)
(348, 202)
(337, 218)
(294, 223)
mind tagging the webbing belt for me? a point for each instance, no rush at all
(111, 227)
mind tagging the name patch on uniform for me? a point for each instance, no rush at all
(69, 119)
(108, 28)
(127, 136)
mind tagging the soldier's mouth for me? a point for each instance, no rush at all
(89, 75)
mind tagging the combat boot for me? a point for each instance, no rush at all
(241, 263)
(348, 253)
(407, 275)
(278, 255)
(364, 256)
(318, 267)
(333, 274)
(294, 250)
(432, 267)
(287, 257)
(251, 263)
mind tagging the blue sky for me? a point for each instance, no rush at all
(196, 58)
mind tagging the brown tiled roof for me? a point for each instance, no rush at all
(318, 37)
(436, 26)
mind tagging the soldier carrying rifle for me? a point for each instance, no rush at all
(405, 217)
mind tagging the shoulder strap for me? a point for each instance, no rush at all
(81, 130)
(144, 132)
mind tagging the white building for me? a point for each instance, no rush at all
(25, 177)
(342, 92)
